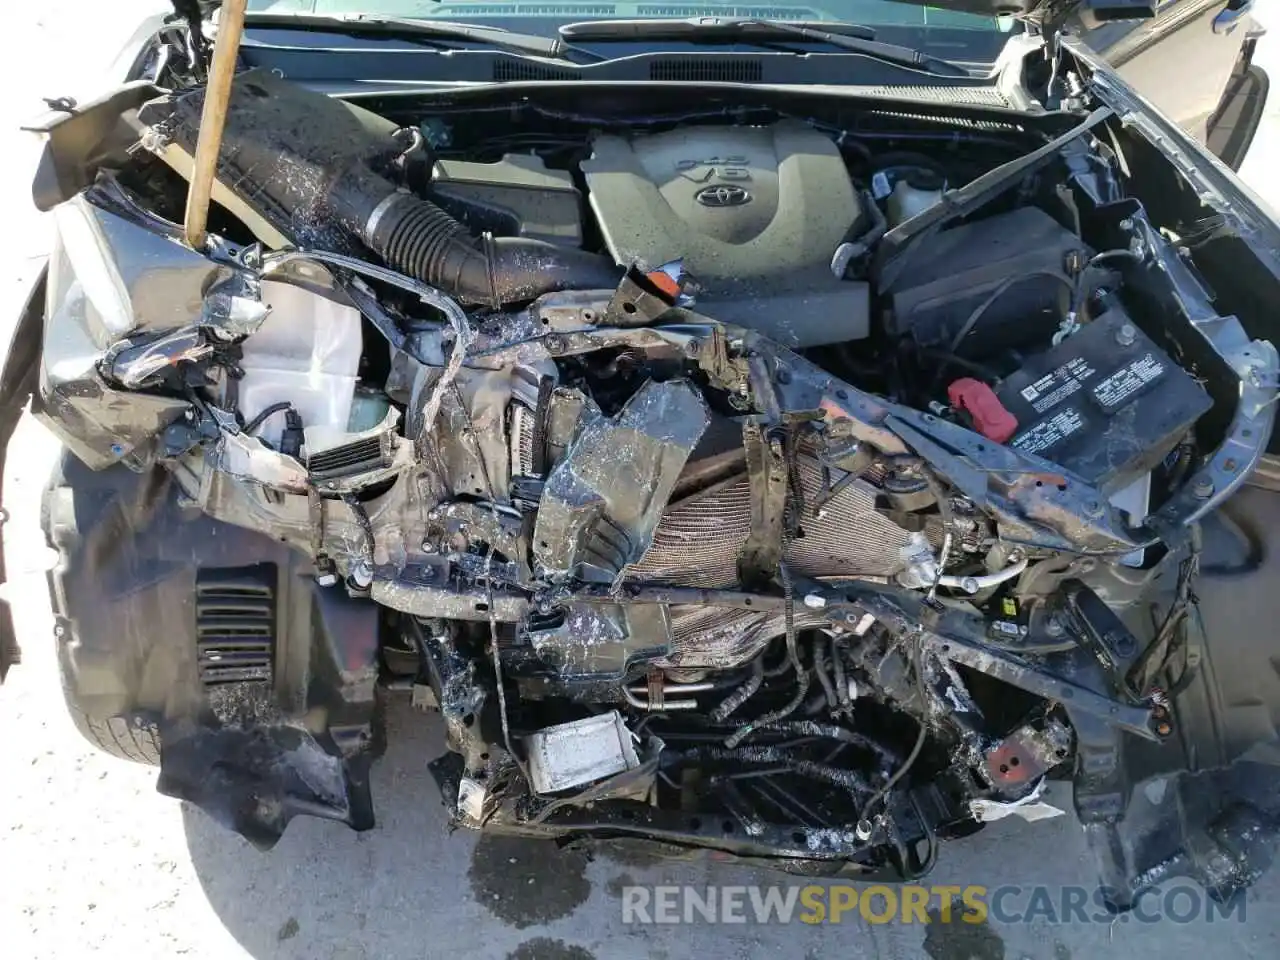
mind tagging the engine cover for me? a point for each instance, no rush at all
(733, 202)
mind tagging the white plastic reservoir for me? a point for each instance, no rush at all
(306, 352)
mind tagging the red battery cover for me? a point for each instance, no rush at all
(980, 402)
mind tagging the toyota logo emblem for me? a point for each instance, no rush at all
(722, 195)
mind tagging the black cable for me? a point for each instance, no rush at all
(264, 413)
(802, 688)
(931, 837)
(922, 691)
(848, 779)
(743, 693)
(1171, 637)
(820, 668)
(837, 669)
(972, 320)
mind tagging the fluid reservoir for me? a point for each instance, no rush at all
(907, 200)
(306, 353)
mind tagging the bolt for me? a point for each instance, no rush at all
(815, 601)
(428, 546)
(1126, 334)
(1054, 628)
(59, 631)
(969, 585)
(1126, 224)
(863, 830)
(362, 575)
(1203, 490)
(1164, 728)
(1093, 508)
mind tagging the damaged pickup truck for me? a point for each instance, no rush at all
(803, 471)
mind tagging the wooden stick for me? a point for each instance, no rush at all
(217, 95)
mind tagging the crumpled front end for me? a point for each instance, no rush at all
(830, 586)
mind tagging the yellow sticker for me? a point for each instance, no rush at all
(1010, 607)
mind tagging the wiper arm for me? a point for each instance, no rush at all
(554, 48)
(846, 36)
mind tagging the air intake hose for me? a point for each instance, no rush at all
(421, 240)
(324, 172)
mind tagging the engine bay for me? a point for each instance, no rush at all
(790, 482)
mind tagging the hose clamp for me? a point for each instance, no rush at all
(380, 211)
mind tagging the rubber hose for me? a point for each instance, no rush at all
(418, 238)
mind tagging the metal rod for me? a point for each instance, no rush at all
(213, 118)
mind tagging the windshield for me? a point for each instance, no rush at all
(946, 33)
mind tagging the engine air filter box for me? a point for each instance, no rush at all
(1107, 403)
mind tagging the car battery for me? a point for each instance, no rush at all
(1107, 404)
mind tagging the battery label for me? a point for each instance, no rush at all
(1054, 387)
(1050, 431)
(1127, 381)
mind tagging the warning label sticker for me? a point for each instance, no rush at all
(1050, 431)
(1127, 381)
(1054, 387)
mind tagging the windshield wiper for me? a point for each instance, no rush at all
(846, 36)
(553, 48)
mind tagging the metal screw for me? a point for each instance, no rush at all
(428, 546)
(1203, 490)
(362, 574)
(1126, 334)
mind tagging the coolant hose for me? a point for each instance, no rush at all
(420, 239)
